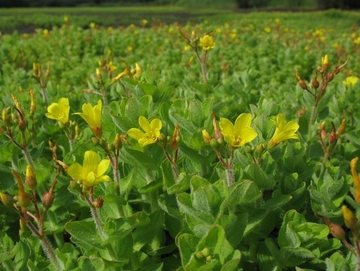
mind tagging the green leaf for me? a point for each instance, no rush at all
(185, 204)
(263, 180)
(294, 256)
(84, 234)
(244, 193)
(6, 247)
(92, 263)
(187, 244)
(137, 158)
(153, 186)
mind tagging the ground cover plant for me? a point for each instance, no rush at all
(230, 144)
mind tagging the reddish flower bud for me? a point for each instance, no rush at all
(98, 203)
(337, 231)
(48, 199)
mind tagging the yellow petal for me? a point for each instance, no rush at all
(226, 126)
(76, 171)
(156, 124)
(242, 121)
(102, 167)
(91, 160)
(135, 133)
(144, 124)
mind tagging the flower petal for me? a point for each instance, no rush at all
(144, 124)
(76, 171)
(226, 126)
(135, 133)
(156, 124)
(248, 134)
(91, 160)
(102, 167)
(242, 121)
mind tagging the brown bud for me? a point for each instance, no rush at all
(323, 134)
(333, 137)
(315, 83)
(337, 231)
(48, 199)
(22, 124)
(302, 84)
(23, 199)
(330, 77)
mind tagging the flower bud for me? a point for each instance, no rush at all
(341, 129)
(333, 137)
(205, 251)
(322, 126)
(22, 124)
(30, 177)
(6, 199)
(23, 199)
(117, 142)
(349, 218)
(48, 199)
(206, 136)
(323, 134)
(337, 231)
(325, 62)
(302, 84)
(330, 77)
(315, 83)
(5, 116)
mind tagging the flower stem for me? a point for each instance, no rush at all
(50, 253)
(230, 176)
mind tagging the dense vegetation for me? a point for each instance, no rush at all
(229, 143)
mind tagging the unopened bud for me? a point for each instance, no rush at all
(341, 129)
(98, 74)
(48, 199)
(6, 199)
(5, 116)
(330, 77)
(174, 144)
(302, 84)
(349, 218)
(322, 126)
(206, 136)
(102, 143)
(315, 83)
(110, 146)
(337, 231)
(95, 140)
(117, 142)
(333, 137)
(30, 177)
(323, 134)
(22, 124)
(325, 62)
(23, 199)
(260, 148)
(205, 251)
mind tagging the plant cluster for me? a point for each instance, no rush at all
(231, 148)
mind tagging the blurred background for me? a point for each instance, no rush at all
(240, 4)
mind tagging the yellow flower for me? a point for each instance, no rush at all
(283, 130)
(59, 111)
(357, 41)
(92, 171)
(92, 25)
(240, 133)
(92, 115)
(152, 131)
(350, 81)
(207, 42)
(267, 29)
